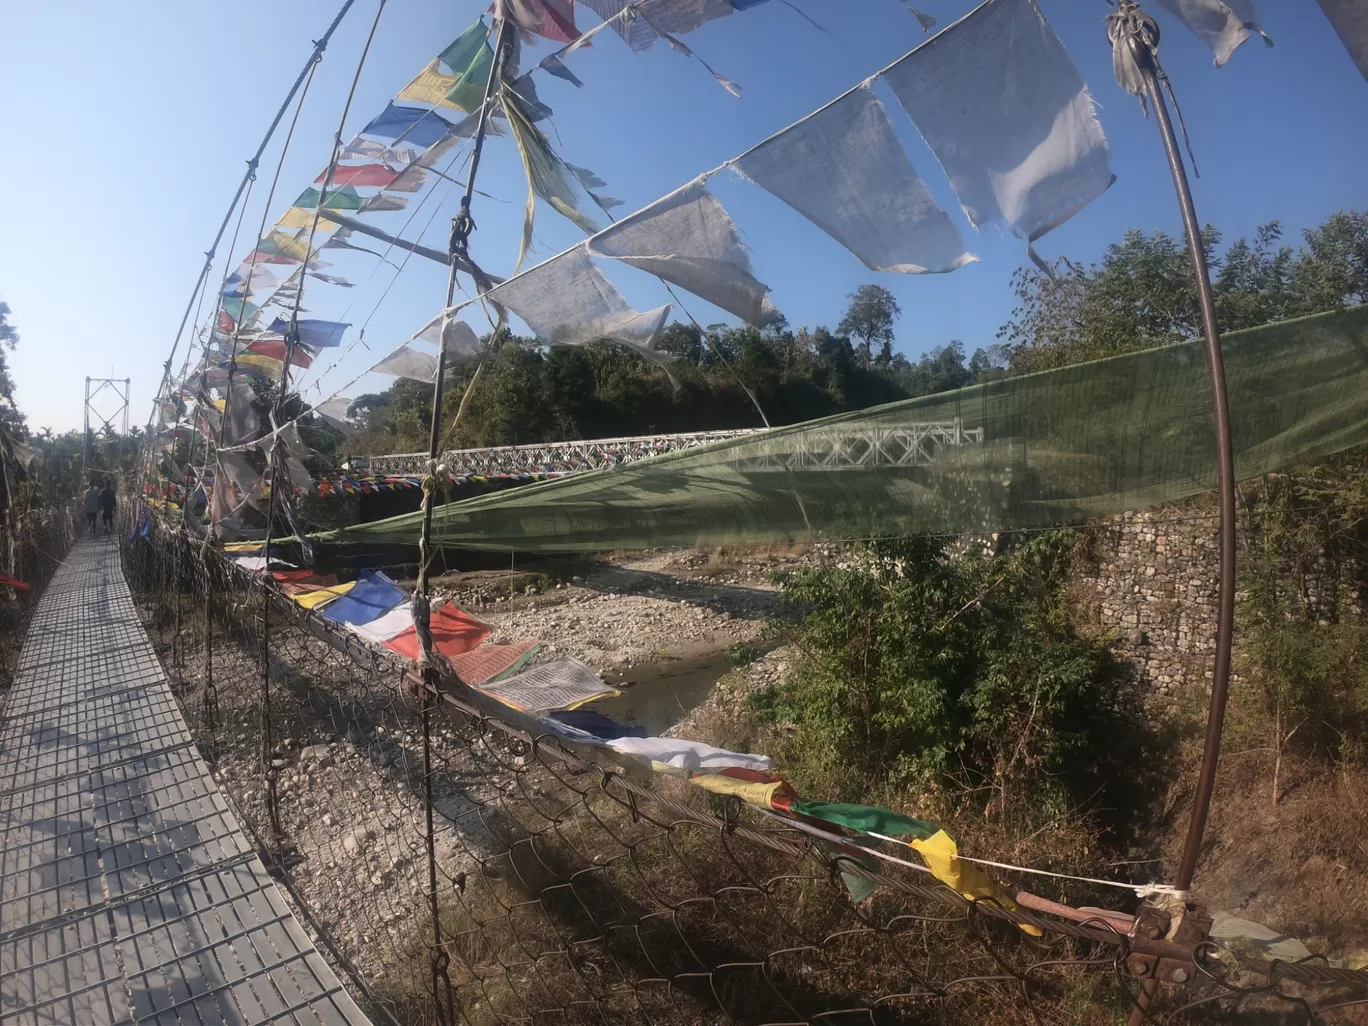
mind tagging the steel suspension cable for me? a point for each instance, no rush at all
(269, 770)
(320, 45)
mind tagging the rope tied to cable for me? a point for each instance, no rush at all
(1134, 38)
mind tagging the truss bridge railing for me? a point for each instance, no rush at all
(863, 445)
(545, 458)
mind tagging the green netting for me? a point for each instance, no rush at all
(1054, 447)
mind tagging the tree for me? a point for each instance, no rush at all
(11, 420)
(1143, 293)
(869, 319)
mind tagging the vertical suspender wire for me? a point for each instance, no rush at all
(210, 699)
(269, 771)
(458, 253)
(1135, 39)
(320, 45)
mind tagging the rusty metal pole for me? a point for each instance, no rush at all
(1131, 29)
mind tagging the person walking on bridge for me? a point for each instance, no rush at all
(92, 505)
(107, 506)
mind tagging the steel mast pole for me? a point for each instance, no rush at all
(1135, 37)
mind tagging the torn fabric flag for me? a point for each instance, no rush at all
(567, 301)
(1008, 116)
(688, 238)
(335, 411)
(554, 19)
(1223, 25)
(844, 169)
(410, 363)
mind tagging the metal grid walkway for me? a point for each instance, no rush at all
(128, 891)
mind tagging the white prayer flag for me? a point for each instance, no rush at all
(689, 239)
(999, 101)
(845, 171)
(1223, 25)
(567, 301)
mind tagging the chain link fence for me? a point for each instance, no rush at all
(459, 864)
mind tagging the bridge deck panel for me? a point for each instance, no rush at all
(129, 892)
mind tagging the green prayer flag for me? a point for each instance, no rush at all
(865, 818)
(469, 59)
(345, 198)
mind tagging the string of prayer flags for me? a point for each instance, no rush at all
(689, 239)
(1002, 106)
(1223, 25)
(844, 169)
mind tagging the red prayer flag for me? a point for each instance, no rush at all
(275, 349)
(360, 176)
(13, 582)
(454, 632)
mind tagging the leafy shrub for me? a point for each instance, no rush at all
(964, 674)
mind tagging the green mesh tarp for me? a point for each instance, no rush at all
(1054, 447)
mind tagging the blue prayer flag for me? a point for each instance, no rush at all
(372, 597)
(324, 334)
(411, 124)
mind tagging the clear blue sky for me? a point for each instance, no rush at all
(130, 124)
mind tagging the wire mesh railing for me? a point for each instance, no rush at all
(573, 888)
(35, 542)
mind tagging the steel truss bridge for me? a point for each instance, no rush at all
(836, 448)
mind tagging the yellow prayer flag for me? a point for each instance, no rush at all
(431, 88)
(754, 792)
(314, 599)
(293, 246)
(941, 855)
(268, 365)
(302, 217)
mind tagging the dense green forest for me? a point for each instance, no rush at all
(1141, 294)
